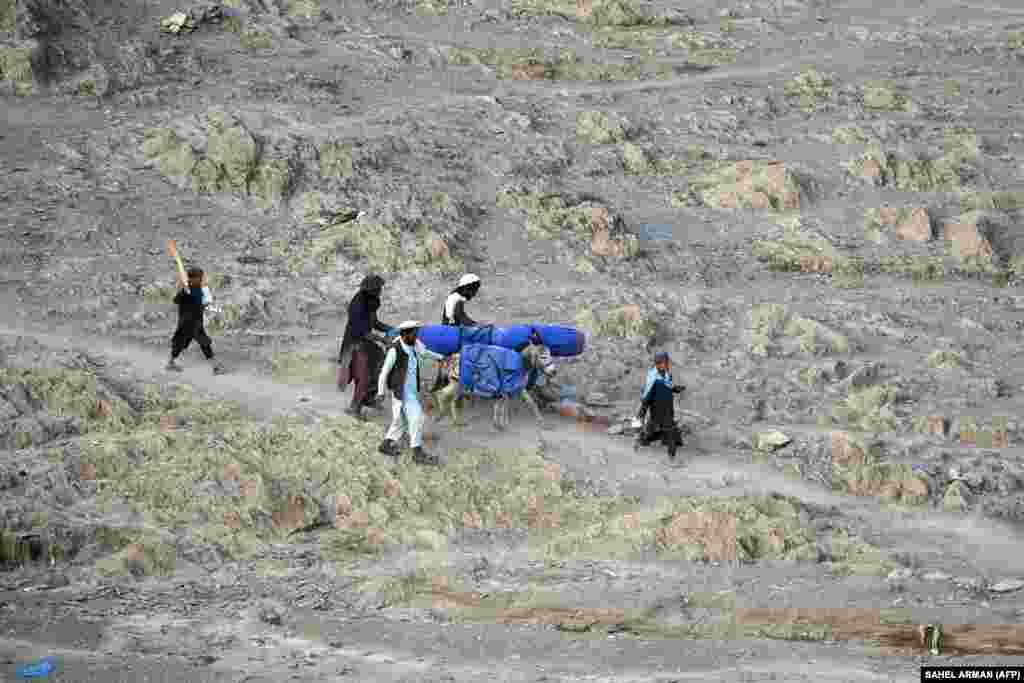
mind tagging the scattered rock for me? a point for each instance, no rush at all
(902, 574)
(770, 441)
(1007, 586)
(968, 583)
(911, 223)
(272, 614)
(935, 576)
(966, 237)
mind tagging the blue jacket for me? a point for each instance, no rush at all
(654, 377)
(190, 307)
(658, 397)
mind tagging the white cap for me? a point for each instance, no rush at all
(410, 325)
(468, 279)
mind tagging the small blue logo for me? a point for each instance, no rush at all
(38, 669)
(654, 232)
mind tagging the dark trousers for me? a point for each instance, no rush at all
(367, 359)
(668, 433)
(188, 332)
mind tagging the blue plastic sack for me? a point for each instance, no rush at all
(491, 371)
(448, 339)
(39, 669)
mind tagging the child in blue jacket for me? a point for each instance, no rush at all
(192, 299)
(658, 399)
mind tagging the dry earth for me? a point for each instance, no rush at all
(814, 205)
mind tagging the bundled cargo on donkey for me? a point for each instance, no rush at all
(447, 339)
(491, 371)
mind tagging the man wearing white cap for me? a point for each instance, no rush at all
(401, 375)
(454, 313)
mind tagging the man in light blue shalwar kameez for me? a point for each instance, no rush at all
(401, 375)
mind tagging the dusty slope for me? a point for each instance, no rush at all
(87, 212)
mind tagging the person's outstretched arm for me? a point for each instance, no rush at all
(382, 378)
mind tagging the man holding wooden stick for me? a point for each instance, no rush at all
(192, 298)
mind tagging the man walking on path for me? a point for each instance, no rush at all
(401, 376)
(360, 356)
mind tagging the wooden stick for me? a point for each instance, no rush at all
(172, 249)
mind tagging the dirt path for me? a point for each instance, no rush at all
(986, 545)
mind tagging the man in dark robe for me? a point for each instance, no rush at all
(360, 357)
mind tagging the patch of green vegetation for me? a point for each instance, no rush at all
(636, 162)
(584, 266)
(289, 453)
(1015, 41)
(441, 202)
(907, 175)
(1007, 200)
(87, 88)
(16, 66)
(922, 269)
(849, 135)
(754, 183)
(770, 322)
(727, 25)
(271, 181)
(380, 245)
(711, 57)
(567, 66)
(312, 206)
(767, 442)
(791, 255)
(875, 224)
(335, 160)
(301, 368)
(146, 554)
(490, 56)
(954, 499)
(233, 150)
(232, 24)
(945, 360)
(273, 568)
(848, 272)
(641, 38)
(884, 96)
(68, 393)
(961, 143)
(810, 377)
(766, 323)
(851, 558)
(594, 127)
(951, 88)
(425, 258)
(581, 71)
(625, 322)
(220, 322)
(8, 16)
(767, 528)
(304, 9)
(814, 337)
(810, 87)
(432, 8)
(17, 550)
(861, 409)
(257, 40)
(604, 12)
(175, 158)
(548, 217)
(692, 40)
